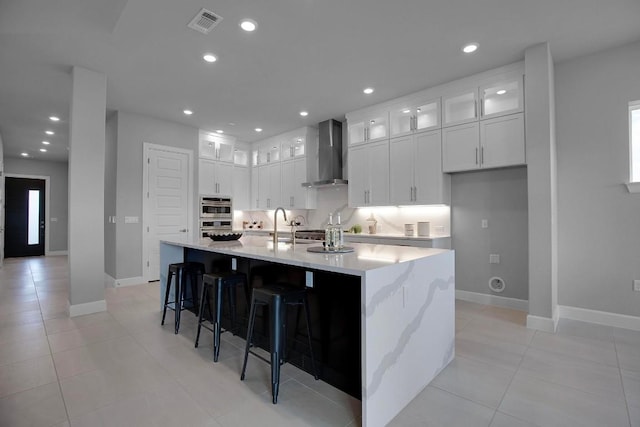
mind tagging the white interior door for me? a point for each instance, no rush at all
(168, 203)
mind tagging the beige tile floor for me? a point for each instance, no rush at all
(121, 368)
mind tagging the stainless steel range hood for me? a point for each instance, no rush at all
(329, 160)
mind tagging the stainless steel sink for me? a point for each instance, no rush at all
(298, 241)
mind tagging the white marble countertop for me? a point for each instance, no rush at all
(366, 257)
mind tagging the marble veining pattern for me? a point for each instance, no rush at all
(392, 357)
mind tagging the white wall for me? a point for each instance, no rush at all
(599, 221)
(133, 131)
(500, 197)
(58, 205)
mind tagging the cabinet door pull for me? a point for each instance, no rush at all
(475, 109)
(481, 155)
(476, 155)
(481, 107)
(415, 194)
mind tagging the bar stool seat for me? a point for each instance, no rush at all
(182, 272)
(218, 283)
(277, 297)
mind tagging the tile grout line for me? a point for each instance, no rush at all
(624, 392)
(64, 402)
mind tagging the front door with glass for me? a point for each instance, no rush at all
(24, 217)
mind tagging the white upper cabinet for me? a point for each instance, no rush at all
(294, 195)
(460, 107)
(369, 175)
(294, 147)
(241, 188)
(404, 120)
(214, 146)
(491, 143)
(416, 175)
(215, 178)
(241, 154)
(370, 128)
(502, 97)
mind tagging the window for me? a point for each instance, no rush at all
(634, 147)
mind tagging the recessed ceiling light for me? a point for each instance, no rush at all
(220, 131)
(231, 124)
(304, 113)
(188, 112)
(54, 119)
(406, 111)
(248, 25)
(209, 57)
(46, 142)
(44, 150)
(24, 154)
(258, 129)
(368, 90)
(49, 132)
(501, 92)
(471, 47)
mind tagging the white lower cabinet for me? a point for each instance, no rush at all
(369, 174)
(215, 178)
(294, 195)
(416, 176)
(489, 143)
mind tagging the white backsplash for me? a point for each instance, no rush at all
(391, 220)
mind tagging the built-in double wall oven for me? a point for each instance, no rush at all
(216, 215)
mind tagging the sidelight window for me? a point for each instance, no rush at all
(33, 234)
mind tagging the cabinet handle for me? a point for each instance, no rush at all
(476, 155)
(475, 109)
(481, 107)
(481, 155)
(415, 194)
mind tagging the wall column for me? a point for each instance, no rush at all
(86, 192)
(542, 187)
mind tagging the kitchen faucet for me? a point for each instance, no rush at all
(275, 225)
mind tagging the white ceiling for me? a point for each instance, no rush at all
(315, 55)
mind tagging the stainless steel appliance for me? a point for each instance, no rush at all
(216, 215)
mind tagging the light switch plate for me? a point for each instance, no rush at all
(494, 258)
(484, 223)
(636, 285)
(131, 219)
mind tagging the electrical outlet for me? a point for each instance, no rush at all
(636, 285)
(484, 223)
(494, 259)
(308, 279)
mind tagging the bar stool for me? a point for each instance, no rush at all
(277, 297)
(182, 271)
(218, 283)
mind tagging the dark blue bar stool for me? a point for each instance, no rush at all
(219, 283)
(277, 297)
(182, 271)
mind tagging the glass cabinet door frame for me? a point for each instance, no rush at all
(498, 86)
(469, 91)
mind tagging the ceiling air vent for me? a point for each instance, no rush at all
(204, 21)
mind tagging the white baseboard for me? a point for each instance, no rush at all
(544, 324)
(514, 303)
(57, 253)
(87, 308)
(600, 317)
(130, 281)
(109, 282)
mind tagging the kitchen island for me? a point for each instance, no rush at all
(406, 308)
